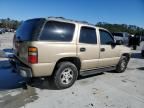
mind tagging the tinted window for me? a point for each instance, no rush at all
(57, 31)
(88, 35)
(105, 38)
(29, 30)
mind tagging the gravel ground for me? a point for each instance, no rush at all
(106, 90)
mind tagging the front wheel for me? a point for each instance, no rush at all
(65, 75)
(122, 65)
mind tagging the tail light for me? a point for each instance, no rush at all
(32, 55)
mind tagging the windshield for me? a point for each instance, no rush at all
(29, 30)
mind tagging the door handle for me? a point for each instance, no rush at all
(82, 49)
(102, 49)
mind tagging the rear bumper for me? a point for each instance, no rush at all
(33, 70)
(24, 72)
(20, 68)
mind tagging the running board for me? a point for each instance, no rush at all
(97, 71)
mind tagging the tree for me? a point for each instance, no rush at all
(8, 23)
(132, 29)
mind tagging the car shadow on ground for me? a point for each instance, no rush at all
(8, 79)
(89, 76)
(141, 68)
(136, 55)
(42, 83)
(46, 83)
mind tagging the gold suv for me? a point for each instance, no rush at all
(65, 49)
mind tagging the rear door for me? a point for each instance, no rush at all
(88, 48)
(109, 54)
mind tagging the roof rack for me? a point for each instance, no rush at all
(62, 18)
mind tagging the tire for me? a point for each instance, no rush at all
(122, 65)
(65, 75)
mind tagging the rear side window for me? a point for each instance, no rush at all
(29, 30)
(88, 35)
(57, 31)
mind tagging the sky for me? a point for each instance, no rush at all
(93, 11)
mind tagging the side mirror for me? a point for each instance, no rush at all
(113, 44)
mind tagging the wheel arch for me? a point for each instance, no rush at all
(75, 60)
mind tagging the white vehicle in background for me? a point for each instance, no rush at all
(142, 51)
(122, 36)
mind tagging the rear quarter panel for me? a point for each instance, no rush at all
(50, 52)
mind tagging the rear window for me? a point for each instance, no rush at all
(29, 30)
(57, 31)
(118, 34)
(88, 35)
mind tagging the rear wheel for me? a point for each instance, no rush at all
(65, 75)
(122, 65)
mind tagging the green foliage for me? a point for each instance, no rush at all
(8, 23)
(132, 29)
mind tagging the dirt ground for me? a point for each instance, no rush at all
(106, 90)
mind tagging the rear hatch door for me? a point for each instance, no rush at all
(27, 32)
